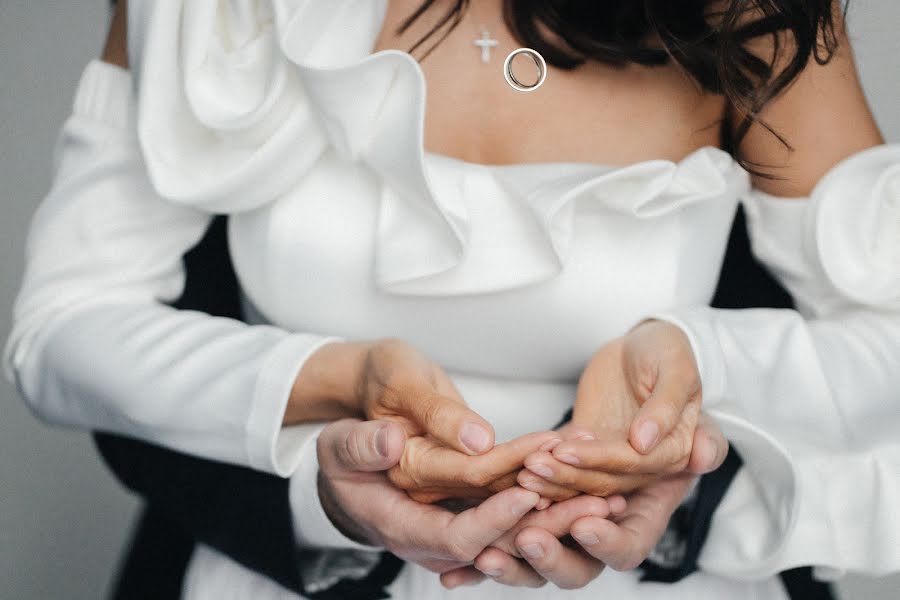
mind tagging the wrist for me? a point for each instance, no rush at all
(326, 389)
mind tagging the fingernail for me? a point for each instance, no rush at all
(647, 435)
(569, 459)
(547, 447)
(541, 471)
(543, 504)
(533, 486)
(524, 503)
(475, 437)
(586, 538)
(533, 551)
(586, 437)
(493, 572)
(381, 441)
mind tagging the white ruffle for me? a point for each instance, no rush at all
(841, 245)
(239, 99)
(855, 226)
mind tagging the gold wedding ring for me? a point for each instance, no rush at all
(539, 62)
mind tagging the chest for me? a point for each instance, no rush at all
(594, 113)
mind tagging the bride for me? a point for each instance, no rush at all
(436, 267)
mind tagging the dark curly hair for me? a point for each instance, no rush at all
(708, 38)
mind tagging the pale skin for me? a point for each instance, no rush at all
(643, 387)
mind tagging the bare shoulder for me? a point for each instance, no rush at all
(116, 49)
(824, 117)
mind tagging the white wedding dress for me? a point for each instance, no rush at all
(343, 227)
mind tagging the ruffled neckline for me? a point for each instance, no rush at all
(309, 83)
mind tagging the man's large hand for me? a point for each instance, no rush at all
(621, 541)
(358, 497)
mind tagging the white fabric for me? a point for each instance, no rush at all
(91, 345)
(509, 276)
(820, 383)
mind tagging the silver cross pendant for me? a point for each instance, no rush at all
(486, 43)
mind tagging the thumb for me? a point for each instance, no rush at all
(710, 447)
(355, 445)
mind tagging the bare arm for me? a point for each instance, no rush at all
(824, 117)
(116, 49)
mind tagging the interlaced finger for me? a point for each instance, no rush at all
(428, 464)
(507, 570)
(568, 568)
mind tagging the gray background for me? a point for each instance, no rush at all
(63, 520)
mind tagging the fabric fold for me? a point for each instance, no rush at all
(264, 89)
(855, 226)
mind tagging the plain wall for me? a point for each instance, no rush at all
(63, 520)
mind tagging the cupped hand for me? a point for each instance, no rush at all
(398, 383)
(639, 399)
(450, 450)
(365, 506)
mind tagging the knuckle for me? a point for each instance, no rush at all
(409, 465)
(681, 463)
(630, 464)
(349, 452)
(604, 486)
(457, 549)
(477, 478)
(398, 477)
(432, 410)
(596, 506)
(357, 446)
(567, 477)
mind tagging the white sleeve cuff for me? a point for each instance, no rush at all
(270, 446)
(312, 527)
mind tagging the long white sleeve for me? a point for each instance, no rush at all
(94, 346)
(811, 398)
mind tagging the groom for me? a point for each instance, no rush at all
(192, 500)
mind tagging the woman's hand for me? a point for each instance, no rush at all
(431, 472)
(639, 397)
(397, 383)
(389, 380)
(450, 449)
